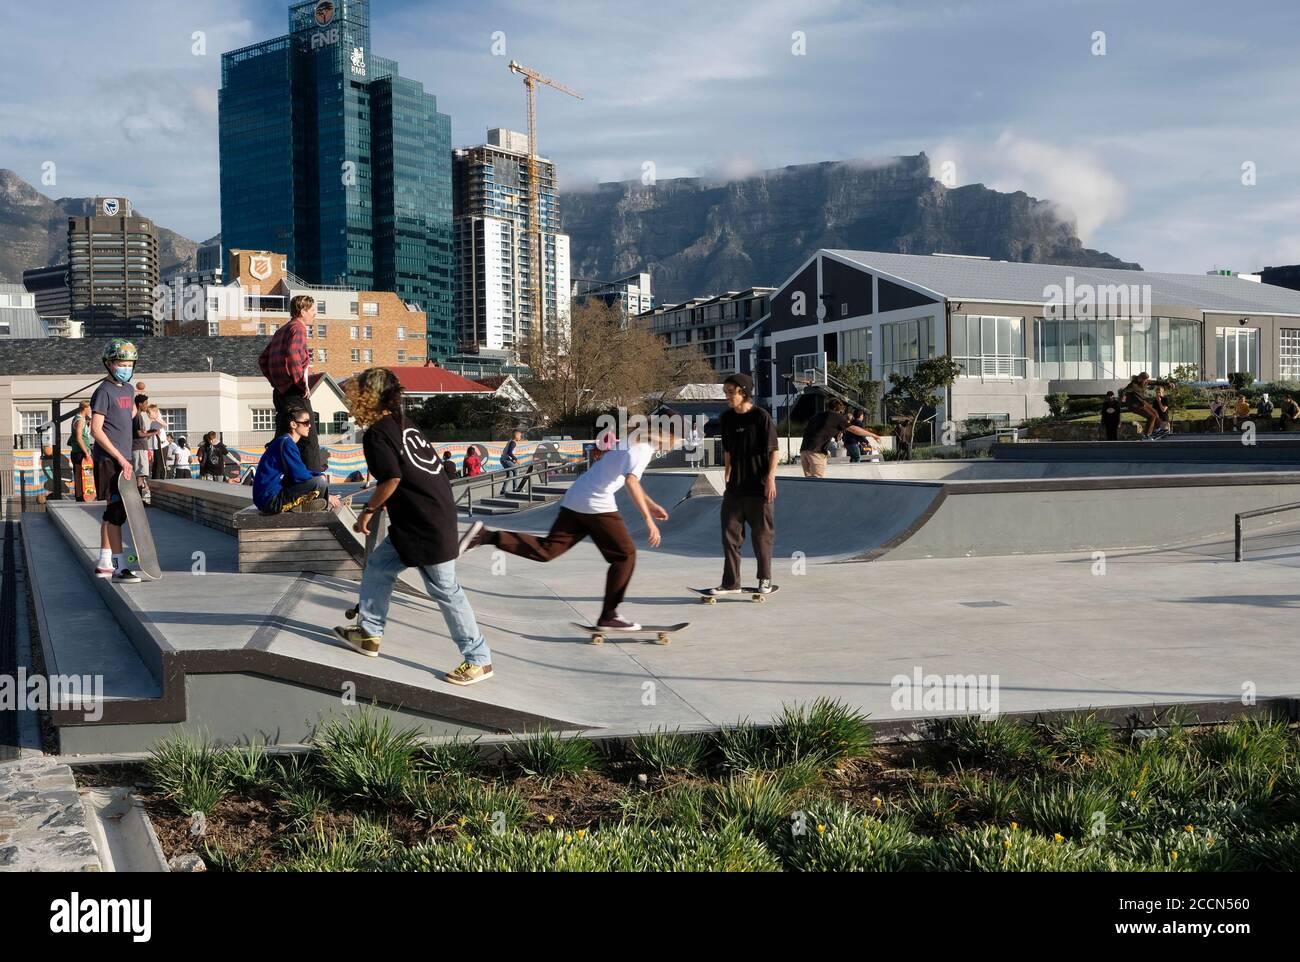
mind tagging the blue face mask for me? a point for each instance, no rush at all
(123, 374)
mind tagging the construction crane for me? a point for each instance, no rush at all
(536, 283)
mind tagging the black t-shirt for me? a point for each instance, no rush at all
(823, 426)
(749, 439)
(1110, 411)
(421, 512)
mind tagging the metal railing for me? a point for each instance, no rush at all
(1257, 513)
(520, 479)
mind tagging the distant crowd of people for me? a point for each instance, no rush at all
(1228, 411)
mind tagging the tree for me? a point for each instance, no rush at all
(857, 375)
(449, 415)
(603, 362)
(911, 397)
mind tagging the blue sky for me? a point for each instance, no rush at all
(1143, 146)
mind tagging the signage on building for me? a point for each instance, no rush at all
(260, 267)
(111, 207)
(324, 12)
(358, 61)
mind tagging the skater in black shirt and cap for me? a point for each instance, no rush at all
(750, 456)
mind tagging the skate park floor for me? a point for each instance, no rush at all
(1066, 630)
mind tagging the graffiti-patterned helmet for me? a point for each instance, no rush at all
(120, 349)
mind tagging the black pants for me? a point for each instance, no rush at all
(608, 531)
(738, 511)
(1112, 430)
(308, 446)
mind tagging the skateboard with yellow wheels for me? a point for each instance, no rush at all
(660, 632)
(708, 598)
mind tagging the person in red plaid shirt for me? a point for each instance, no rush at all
(284, 363)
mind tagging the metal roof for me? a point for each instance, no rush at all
(958, 279)
(22, 322)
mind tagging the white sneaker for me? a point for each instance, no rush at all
(765, 586)
(724, 591)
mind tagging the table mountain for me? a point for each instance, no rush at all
(699, 237)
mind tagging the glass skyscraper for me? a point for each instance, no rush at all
(331, 157)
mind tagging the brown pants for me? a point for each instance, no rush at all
(737, 511)
(609, 533)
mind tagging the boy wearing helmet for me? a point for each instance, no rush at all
(112, 408)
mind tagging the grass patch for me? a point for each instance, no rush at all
(548, 756)
(363, 757)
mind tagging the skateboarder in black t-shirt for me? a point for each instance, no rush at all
(422, 530)
(817, 437)
(750, 456)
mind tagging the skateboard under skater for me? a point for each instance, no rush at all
(144, 558)
(754, 595)
(661, 632)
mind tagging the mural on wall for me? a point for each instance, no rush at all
(34, 474)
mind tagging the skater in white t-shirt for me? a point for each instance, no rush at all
(589, 510)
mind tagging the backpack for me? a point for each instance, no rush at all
(213, 461)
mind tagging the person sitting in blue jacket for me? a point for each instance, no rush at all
(283, 481)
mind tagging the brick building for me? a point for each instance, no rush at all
(353, 330)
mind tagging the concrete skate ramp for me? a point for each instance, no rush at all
(827, 520)
(841, 519)
(986, 469)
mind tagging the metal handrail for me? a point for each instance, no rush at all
(464, 487)
(1257, 513)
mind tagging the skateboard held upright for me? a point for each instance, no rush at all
(145, 559)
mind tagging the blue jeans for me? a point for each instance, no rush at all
(382, 568)
(512, 468)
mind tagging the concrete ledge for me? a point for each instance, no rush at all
(293, 542)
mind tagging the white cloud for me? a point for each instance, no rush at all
(1073, 178)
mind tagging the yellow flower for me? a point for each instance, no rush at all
(462, 821)
(1006, 843)
(821, 829)
(550, 819)
(469, 846)
(1174, 856)
(1014, 826)
(1188, 828)
(1209, 840)
(1059, 837)
(568, 838)
(1132, 794)
(879, 802)
(582, 833)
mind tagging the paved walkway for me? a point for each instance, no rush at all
(42, 823)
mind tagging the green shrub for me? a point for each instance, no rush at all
(1079, 742)
(685, 806)
(990, 798)
(826, 732)
(665, 752)
(548, 756)
(760, 803)
(932, 808)
(624, 848)
(744, 747)
(454, 757)
(362, 756)
(1058, 403)
(842, 840)
(1074, 810)
(997, 742)
(1251, 742)
(994, 849)
(247, 769)
(190, 772)
(359, 848)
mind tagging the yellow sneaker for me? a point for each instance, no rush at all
(358, 640)
(468, 674)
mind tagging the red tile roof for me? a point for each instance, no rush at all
(436, 380)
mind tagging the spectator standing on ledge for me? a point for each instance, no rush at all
(1110, 416)
(285, 363)
(449, 465)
